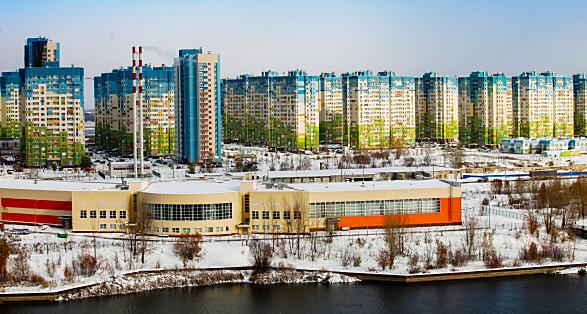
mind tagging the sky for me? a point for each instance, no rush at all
(409, 37)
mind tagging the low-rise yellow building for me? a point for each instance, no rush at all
(224, 206)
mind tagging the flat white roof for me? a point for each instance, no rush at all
(338, 172)
(50, 185)
(193, 187)
(369, 185)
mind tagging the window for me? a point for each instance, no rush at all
(219, 229)
(174, 230)
(102, 214)
(210, 229)
(102, 226)
(275, 215)
(276, 227)
(83, 214)
(112, 214)
(265, 227)
(198, 230)
(92, 214)
(155, 229)
(265, 214)
(374, 208)
(190, 212)
(112, 226)
(297, 214)
(286, 215)
(255, 227)
(255, 214)
(185, 230)
(165, 230)
(122, 214)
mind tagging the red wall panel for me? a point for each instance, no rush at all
(38, 204)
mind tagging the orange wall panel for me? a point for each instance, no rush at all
(450, 213)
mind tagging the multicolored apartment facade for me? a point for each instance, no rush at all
(10, 105)
(485, 108)
(52, 103)
(580, 104)
(114, 111)
(42, 104)
(331, 109)
(543, 105)
(198, 109)
(378, 110)
(280, 111)
(437, 108)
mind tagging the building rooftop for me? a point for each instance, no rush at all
(347, 172)
(194, 187)
(49, 185)
(371, 185)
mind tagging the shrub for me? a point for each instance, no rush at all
(458, 258)
(554, 252)
(188, 247)
(68, 273)
(85, 265)
(6, 246)
(384, 259)
(413, 264)
(441, 255)
(21, 270)
(356, 260)
(39, 281)
(530, 253)
(492, 260)
(532, 224)
(260, 254)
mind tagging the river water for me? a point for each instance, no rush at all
(536, 294)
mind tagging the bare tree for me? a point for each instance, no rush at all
(261, 254)
(455, 156)
(188, 247)
(427, 160)
(470, 228)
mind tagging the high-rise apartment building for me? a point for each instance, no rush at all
(280, 111)
(10, 105)
(49, 100)
(379, 110)
(485, 108)
(52, 116)
(437, 108)
(331, 109)
(580, 104)
(114, 111)
(542, 105)
(198, 109)
(41, 53)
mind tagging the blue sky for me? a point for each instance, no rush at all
(409, 37)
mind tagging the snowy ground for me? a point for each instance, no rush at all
(355, 250)
(347, 251)
(266, 160)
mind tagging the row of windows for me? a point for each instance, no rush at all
(111, 214)
(190, 212)
(190, 230)
(266, 228)
(112, 226)
(374, 208)
(275, 214)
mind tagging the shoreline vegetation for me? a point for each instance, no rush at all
(149, 280)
